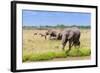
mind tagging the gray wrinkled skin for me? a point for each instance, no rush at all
(71, 35)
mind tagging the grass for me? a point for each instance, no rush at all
(36, 48)
(52, 55)
(43, 56)
(81, 52)
(37, 56)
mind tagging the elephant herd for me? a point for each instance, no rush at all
(71, 35)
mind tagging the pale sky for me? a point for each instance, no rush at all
(37, 18)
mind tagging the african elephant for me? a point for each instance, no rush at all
(72, 35)
(59, 36)
(54, 34)
(51, 33)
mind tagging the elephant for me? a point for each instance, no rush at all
(71, 35)
(45, 34)
(59, 36)
(54, 34)
(51, 33)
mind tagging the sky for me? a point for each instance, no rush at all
(52, 18)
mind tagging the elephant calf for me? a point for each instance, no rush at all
(72, 35)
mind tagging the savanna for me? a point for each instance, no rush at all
(37, 48)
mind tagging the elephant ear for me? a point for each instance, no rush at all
(71, 35)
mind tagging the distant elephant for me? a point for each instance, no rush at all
(51, 33)
(54, 34)
(72, 35)
(59, 36)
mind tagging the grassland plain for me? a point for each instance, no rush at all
(36, 48)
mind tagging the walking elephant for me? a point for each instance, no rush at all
(71, 35)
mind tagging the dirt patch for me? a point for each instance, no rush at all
(72, 58)
(64, 59)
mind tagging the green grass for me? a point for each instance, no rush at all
(81, 52)
(42, 56)
(38, 57)
(52, 55)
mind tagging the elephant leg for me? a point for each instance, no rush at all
(64, 43)
(77, 46)
(70, 44)
(71, 38)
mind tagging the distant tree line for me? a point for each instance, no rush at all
(61, 26)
